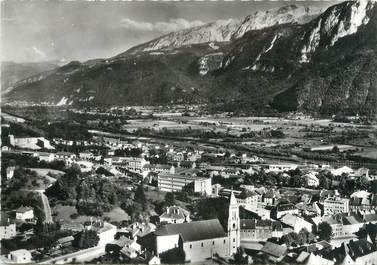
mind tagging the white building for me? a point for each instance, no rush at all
(158, 168)
(334, 205)
(280, 167)
(175, 182)
(203, 186)
(86, 155)
(106, 233)
(20, 256)
(10, 172)
(311, 179)
(260, 230)
(47, 157)
(24, 214)
(342, 170)
(33, 143)
(85, 166)
(7, 229)
(295, 223)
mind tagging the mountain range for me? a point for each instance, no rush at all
(286, 59)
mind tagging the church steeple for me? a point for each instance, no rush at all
(233, 225)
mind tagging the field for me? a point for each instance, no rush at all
(66, 212)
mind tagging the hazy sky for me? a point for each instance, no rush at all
(78, 30)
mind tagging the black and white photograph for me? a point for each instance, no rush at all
(188, 132)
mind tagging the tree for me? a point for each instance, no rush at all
(324, 231)
(140, 196)
(335, 149)
(86, 239)
(169, 199)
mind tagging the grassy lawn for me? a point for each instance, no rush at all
(65, 212)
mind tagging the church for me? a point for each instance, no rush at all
(201, 240)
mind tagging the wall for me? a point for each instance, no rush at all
(210, 247)
(164, 243)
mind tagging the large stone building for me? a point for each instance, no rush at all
(334, 205)
(199, 240)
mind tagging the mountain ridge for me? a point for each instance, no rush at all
(324, 66)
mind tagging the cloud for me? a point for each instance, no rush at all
(39, 52)
(163, 27)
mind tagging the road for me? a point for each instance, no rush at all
(46, 208)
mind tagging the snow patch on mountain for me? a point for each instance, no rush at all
(230, 29)
(62, 102)
(276, 16)
(218, 31)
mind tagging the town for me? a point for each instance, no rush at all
(155, 185)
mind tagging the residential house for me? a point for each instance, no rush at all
(354, 252)
(134, 164)
(85, 166)
(312, 259)
(67, 157)
(24, 214)
(295, 223)
(342, 170)
(175, 215)
(86, 155)
(47, 157)
(279, 167)
(105, 231)
(20, 256)
(7, 228)
(274, 252)
(137, 230)
(260, 230)
(157, 168)
(311, 179)
(282, 209)
(249, 198)
(64, 241)
(362, 200)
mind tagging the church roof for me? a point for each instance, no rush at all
(194, 231)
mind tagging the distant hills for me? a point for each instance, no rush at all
(292, 58)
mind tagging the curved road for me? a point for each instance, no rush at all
(46, 208)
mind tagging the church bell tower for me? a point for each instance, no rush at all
(233, 225)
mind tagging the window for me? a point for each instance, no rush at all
(190, 245)
(213, 243)
(234, 240)
(202, 244)
(224, 241)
